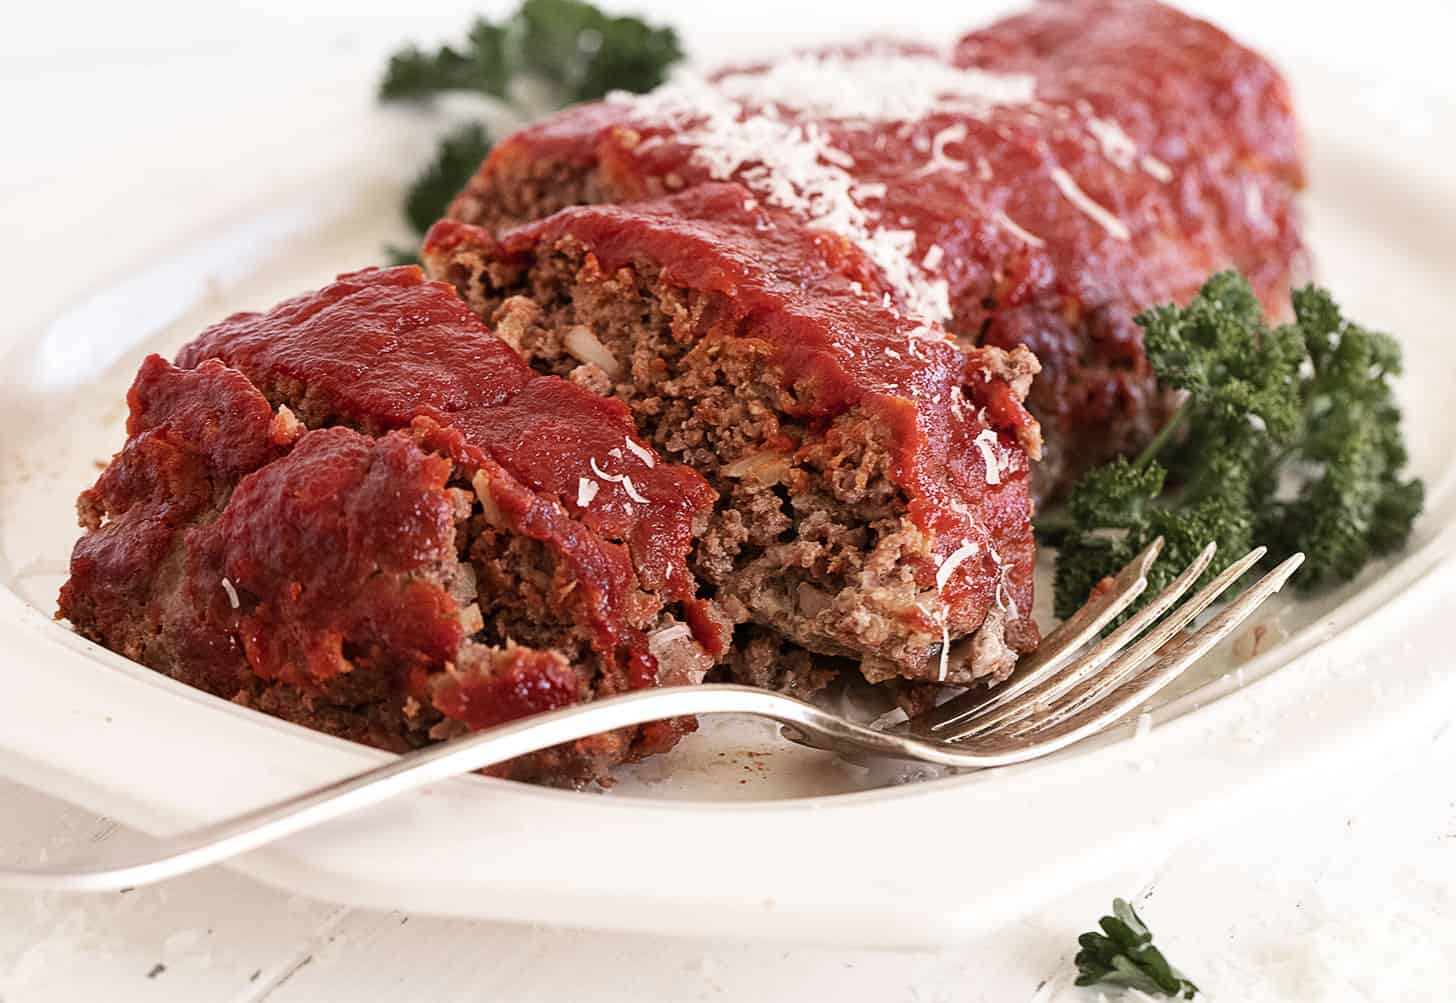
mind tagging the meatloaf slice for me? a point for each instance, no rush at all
(1037, 184)
(427, 563)
(872, 476)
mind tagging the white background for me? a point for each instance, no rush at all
(1343, 894)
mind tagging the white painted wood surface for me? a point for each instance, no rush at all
(1346, 894)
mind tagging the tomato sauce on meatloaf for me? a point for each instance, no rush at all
(1037, 183)
(363, 512)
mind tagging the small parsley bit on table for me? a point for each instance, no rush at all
(1287, 436)
(1123, 955)
(580, 53)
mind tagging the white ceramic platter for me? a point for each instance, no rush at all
(736, 833)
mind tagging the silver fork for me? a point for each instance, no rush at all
(1053, 700)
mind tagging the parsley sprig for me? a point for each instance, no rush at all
(569, 43)
(1287, 436)
(575, 50)
(1123, 955)
(485, 65)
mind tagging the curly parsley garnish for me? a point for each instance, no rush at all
(1288, 436)
(573, 45)
(578, 52)
(1123, 955)
(590, 54)
(486, 65)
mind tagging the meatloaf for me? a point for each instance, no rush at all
(362, 512)
(1036, 184)
(872, 475)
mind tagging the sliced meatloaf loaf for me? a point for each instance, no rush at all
(376, 520)
(872, 475)
(1038, 184)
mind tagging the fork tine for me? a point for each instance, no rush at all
(992, 713)
(1116, 702)
(1137, 656)
(1082, 674)
(1055, 650)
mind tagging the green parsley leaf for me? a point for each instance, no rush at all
(572, 44)
(1353, 504)
(1288, 437)
(1123, 955)
(486, 65)
(590, 54)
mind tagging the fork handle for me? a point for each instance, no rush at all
(218, 841)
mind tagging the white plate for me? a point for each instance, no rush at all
(735, 833)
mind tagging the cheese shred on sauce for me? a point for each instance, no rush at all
(742, 126)
(586, 490)
(986, 442)
(1098, 213)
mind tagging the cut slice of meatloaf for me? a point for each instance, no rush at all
(872, 476)
(435, 554)
(1041, 183)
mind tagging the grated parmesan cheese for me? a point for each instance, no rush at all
(942, 618)
(586, 490)
(737, 129)
(1003, 594)
(621, 479)
(939, 160)
(642, 453)
(631, 490)
(1117, 146)
(947, 568)
(1155, 168)
(1098, 213)
(932, 258)
(1010, 226)
(984, 442)
(878, 86)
